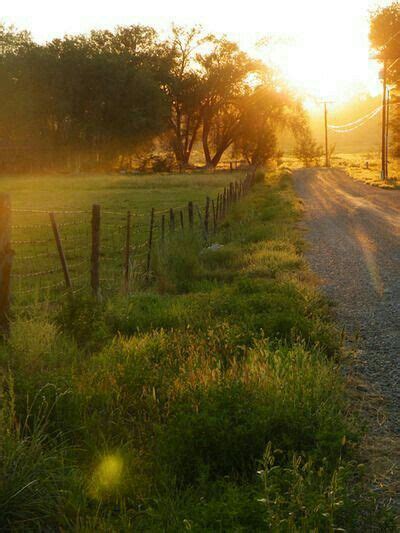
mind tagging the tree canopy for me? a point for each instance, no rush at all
(385, 41)
(86, 101)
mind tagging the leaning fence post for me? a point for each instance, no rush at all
(127, 249)
(190, 213)
(95, 257)
(60, 250)
(150, 244)
(6, 257)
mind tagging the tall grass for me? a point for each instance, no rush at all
(212, 401)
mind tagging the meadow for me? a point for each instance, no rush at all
(37, 272)
(210, 401)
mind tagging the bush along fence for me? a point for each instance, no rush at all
(50, 254)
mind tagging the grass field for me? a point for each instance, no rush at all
(212, 401)
(37, 275)
(361, 166)
(367, 167)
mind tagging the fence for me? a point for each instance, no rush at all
(50, 254)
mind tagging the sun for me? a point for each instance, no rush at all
(321, 67)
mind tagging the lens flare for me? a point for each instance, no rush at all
(107, 476)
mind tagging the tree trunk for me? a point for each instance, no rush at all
(206, 148)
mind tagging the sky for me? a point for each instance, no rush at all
(320, 46)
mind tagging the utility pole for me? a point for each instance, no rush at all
(387, 135)
(327, 164)
(384, 119)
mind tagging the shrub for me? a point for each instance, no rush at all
(84, 319)
(220, 421)
(179, 264)
(162, 163)
(259, 176)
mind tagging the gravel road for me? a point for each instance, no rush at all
(354, 237)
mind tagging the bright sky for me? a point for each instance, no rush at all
(321, 46)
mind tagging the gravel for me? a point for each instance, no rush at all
(353, 233)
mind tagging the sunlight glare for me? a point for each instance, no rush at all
(107, 477)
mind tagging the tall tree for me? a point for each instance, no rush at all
(385, 41)
(228, 74)
(265, 111)
(184, 89)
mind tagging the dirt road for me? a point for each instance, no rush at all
(354, 236)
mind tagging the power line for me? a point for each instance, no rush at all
(358, 123)
(355, 122)
(351, 126)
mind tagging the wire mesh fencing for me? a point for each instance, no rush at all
(46, 255)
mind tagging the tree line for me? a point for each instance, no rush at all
(95, 101)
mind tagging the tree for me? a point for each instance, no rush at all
(385, 40)
(227, 73)
(82, 100)
(307, 149)
(264, 113)
(184, 89)
(384, 35)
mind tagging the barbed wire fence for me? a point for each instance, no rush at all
(46, 255)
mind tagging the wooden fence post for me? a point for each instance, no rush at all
(201, 223)
(190, 213)
(214, 212)
(182, 223)
(171, 220)
(163, 229)
(127, 249)
(6, 258)
(95, 257)
(224, 203)
(207, 216)
(60, 250)
(150, 244)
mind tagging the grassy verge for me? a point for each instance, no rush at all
(367, 168)
(211, 403)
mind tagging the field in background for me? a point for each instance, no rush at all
(367, 167)
(118, 192)
(364, 166)
(37, 273)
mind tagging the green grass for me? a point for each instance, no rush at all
(356, 166)
(71, 197)
(212, 401)
(117, 192)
